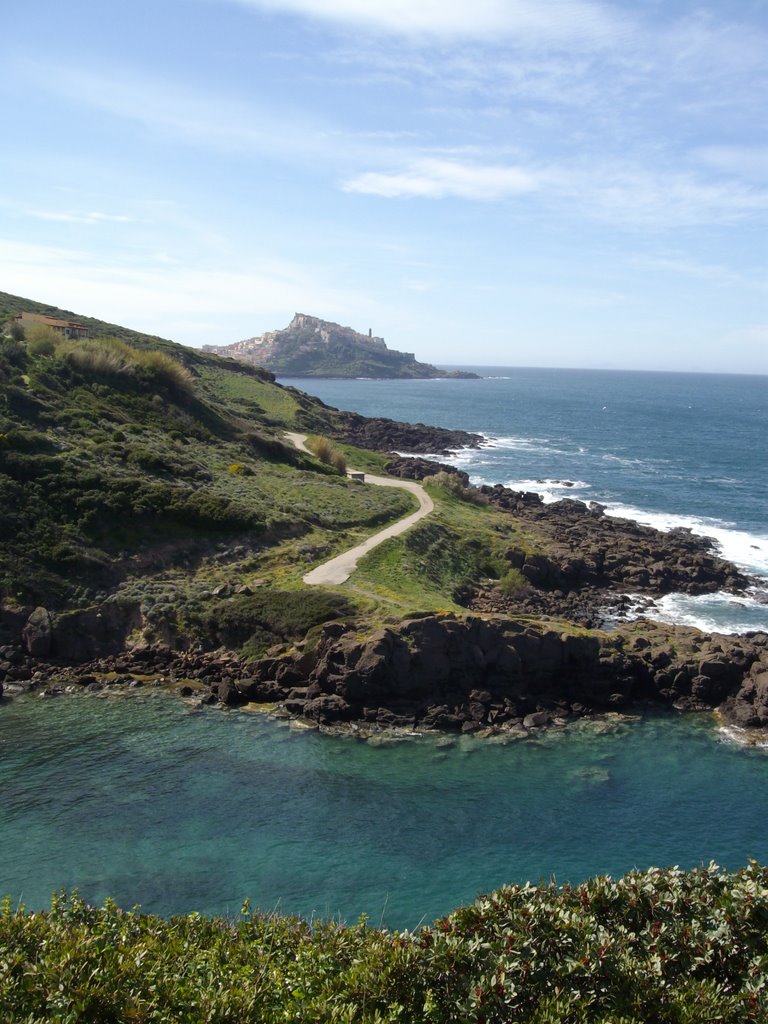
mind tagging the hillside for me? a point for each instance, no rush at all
(311, 347)
(137, 477)
(150, 503)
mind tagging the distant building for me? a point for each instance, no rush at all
(67, 328)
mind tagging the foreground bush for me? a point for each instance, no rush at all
(663, 946)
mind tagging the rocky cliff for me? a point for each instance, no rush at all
(311, 347)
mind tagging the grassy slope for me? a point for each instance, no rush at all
(120, 486)
(111, 475)
(121, 481)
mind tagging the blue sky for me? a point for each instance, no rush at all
(510, 182)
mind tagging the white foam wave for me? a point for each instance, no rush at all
(622, 461)
(525, 444)
(713, 613)
(743, 737)
(748, 550)
(550, 490)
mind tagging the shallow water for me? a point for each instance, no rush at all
(145, 800)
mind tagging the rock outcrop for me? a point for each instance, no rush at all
(586, 548)
(440, 672)
(384, 435)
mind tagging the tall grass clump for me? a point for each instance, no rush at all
(322, 448)
(104, 357)
(165, 369)
(114, 357)
(41, 339)
(338, 462)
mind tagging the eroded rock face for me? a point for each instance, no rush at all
(446, 673)
(748, 707)
(93, 632)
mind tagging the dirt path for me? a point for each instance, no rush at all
(339, 569)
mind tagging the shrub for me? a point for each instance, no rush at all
(324, 450)
(660, 945)
(450, 482)
(12, 351)
(511, 582)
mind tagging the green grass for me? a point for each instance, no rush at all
(246, 394)
(458, 543)
(364, 460)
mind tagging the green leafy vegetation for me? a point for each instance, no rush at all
(666, 946)
(256, 621)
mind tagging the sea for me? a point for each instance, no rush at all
(665, 449)
(158, 803)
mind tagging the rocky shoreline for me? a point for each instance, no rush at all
(521, 659)
(445, 673)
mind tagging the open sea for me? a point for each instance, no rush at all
(155, 802)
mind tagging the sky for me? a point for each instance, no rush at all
(494, 182)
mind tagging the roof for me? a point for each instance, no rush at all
(52, 321)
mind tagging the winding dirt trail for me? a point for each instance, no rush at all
(339, 569)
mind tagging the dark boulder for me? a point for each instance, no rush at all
(37, 634)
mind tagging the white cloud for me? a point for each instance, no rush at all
(661, 198)
(745, 161)
(160, 298)
(432, 178)
(92, 217)
(624, 195)
(557, 21)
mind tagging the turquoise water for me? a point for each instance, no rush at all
(144, 799)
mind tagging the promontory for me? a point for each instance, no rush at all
(311, 347)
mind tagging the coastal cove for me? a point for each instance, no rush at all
(149, 800)
(535, 764)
